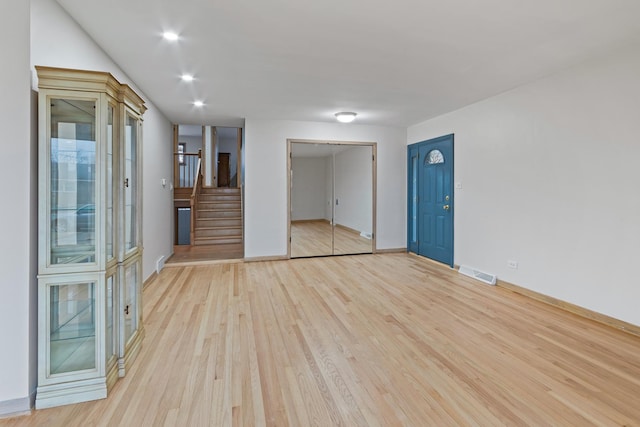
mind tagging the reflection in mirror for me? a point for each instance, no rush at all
(354, 200)
(331, 199)
(311, 194)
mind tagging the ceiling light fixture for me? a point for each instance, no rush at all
(170, 35)
(187, 77)
(345, 116)
(198, 103)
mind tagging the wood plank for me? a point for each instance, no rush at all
(369, 340)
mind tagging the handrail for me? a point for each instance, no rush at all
(193, 201)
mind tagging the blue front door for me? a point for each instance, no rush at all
(430, 199)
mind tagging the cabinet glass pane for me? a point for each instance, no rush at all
(110, 166)
(110, 330)
(130, 191)
(73, 181)
(130, 301)
(72, 328)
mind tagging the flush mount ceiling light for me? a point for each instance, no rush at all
(187, 77)
(198, 103)
(170, 35)
(345, 116)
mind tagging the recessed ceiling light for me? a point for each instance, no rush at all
(198, 103)
(170, 35)
(345, 116)
(187, 77)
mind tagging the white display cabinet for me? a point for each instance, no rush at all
(89, 245)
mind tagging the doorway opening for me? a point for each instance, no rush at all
(208, 193)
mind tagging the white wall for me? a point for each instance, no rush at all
(550, 177)
(266, 180)
(193, 143)
(354, 189)
(59, 42)
(17, 248)
(308, 192)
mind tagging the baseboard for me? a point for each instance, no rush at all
(572, 308)
(391, 251)
(52, 395)
(429, 260)
(16, 407)
(204, 262)
(266, 258)
(302, 221)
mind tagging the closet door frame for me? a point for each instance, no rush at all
(374, 174)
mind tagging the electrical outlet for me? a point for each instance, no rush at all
(512, 264)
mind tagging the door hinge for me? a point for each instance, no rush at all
(373, 158)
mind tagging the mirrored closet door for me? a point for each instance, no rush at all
(331, 203)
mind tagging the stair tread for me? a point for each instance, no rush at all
(225, 241)
(221, 227)
(219, 217)
(232, 236)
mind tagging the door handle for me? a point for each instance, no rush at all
(445, 207)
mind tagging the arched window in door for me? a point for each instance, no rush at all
(434, 157)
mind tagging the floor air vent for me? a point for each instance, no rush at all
(487, 278)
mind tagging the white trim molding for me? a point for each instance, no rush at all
(16, 407)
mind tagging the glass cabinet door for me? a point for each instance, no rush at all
(130, 183)
(72, 327)
(130, 301)
(72, 189)
(109, 206)
(111, 334)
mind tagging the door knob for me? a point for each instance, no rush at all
(445, 207)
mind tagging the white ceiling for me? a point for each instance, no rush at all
(395, 63)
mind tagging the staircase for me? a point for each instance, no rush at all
(219, 217)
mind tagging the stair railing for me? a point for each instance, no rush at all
(193, 201)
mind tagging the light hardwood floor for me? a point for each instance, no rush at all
(186, 254)
(369, 340)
